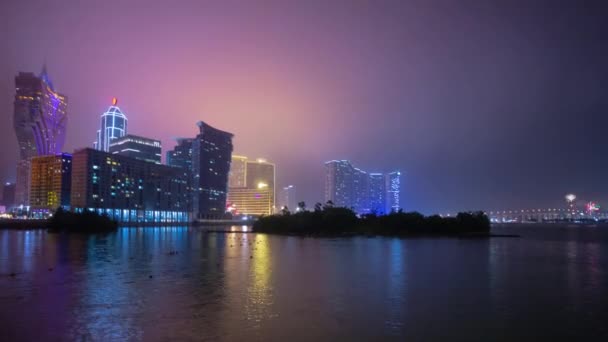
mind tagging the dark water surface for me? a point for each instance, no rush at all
(551, 283)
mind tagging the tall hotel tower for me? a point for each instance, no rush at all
(211, 152)
(113, 126)
(40, 120)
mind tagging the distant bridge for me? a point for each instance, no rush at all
(543, 215)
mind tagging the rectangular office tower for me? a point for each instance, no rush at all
(128, 189)
(211, 152)
(137, 147)
(50, 183)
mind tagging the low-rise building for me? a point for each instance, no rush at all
(50, 183)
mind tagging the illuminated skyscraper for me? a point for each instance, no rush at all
(40, 119)
(350, 187)
(238, 172)
(137, 147)
(377, 193)
(261, 173)
(288, 198)
(211, 155)
(360, 191)
(252, 186)
(393, 191)
(113, 126)
(338, 183)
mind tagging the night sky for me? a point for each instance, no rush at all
(481, 104)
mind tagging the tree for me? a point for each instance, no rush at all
(318, 207)
(302, 206)
(329, 204)
(285, 211)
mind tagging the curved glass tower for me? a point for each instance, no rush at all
(40, 120)
(113, 126)
(40, 116)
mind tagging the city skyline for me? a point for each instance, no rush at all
(481, 96)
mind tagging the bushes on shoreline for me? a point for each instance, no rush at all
(331, 220)
(85, 222)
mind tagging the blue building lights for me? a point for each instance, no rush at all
(113, 126)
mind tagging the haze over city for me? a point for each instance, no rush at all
(481, 105)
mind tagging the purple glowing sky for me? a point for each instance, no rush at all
(482, 104)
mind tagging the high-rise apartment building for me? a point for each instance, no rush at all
(137, 147)
(113, 126)
(128, 189)
(393, 191)
(350, 187)
(288, 198)
(339, 183)
(360, 191)
(40, 120)
(50, 184)
(211, 155)
(238, 172)
(377, 193)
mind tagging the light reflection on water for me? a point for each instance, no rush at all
(176, 283)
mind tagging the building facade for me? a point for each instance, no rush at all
(261, 173)
(40, 121)
(128, 189)
(238, 172)
(360, 191)
(181, 155)
(338, 183)
(50, 184)
(393, 191)
(350, 187)
(245, 201)
(113, 126)
(377, 193)
(288, 199)
(211, 156)
(137, 147)
(253, 175)
(181, 158)
(8, 195)
(22, 184)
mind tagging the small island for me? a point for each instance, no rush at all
(86, 222)
(327, 220)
